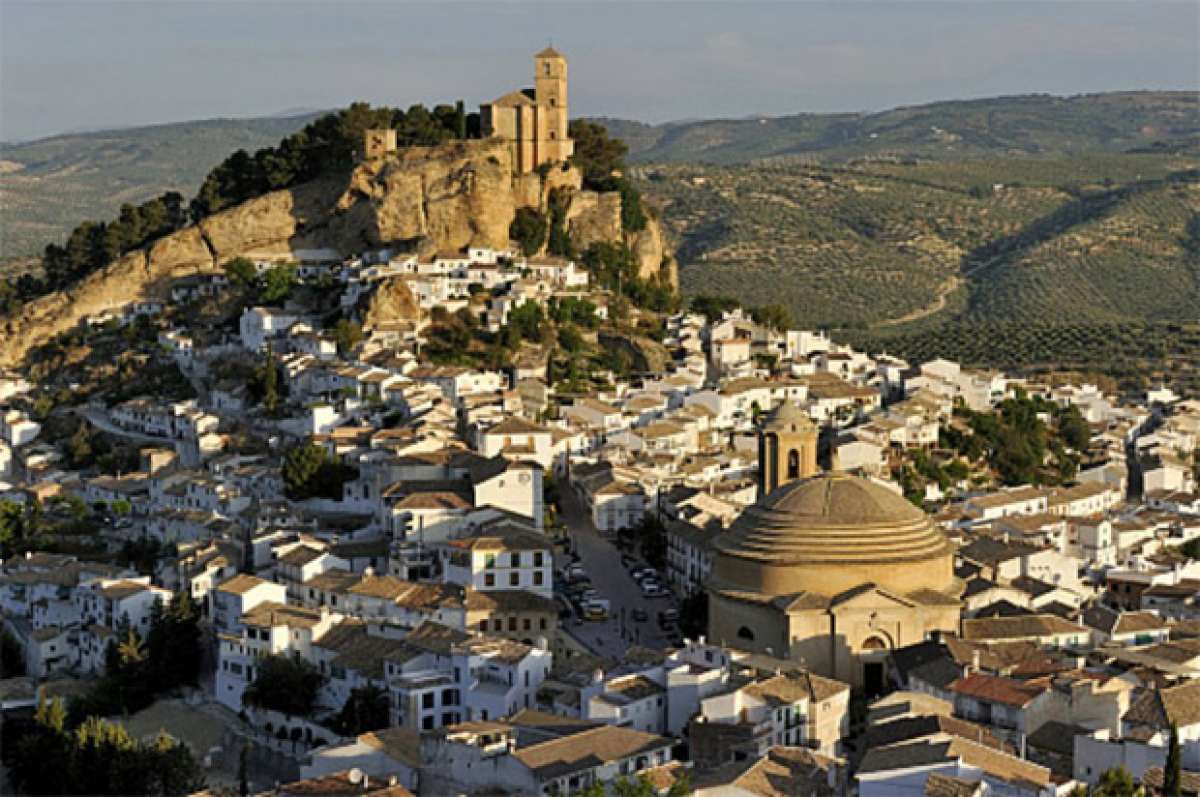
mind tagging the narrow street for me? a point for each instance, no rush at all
(602, 561)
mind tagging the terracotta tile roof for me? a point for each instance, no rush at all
(341, 784)
(270, 613)
(939, 785)
(301, 555)
(997, 689)
(401, 744)
(1037, 625)
(122, 590)
(584, 750)
(1158, 708)
(783, 771)
(937, 750)
(241, 584)
(917, 727)
(1188, 781)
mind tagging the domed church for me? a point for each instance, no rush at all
(831, 570)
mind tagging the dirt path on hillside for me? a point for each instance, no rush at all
(948, 286)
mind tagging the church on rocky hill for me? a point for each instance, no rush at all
(534, 121)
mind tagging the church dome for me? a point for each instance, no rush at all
(830, 533)
(787, 417)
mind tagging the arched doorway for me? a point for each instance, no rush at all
(873, 653)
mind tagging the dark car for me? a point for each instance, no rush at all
(640, 615)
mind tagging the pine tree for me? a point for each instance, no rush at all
(1172, 780)
(243, 773)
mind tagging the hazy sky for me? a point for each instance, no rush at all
(66, 66)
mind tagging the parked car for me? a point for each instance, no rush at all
(652, 589)
(640, 615)
(668, 617)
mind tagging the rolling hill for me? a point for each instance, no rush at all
(1029, 125)
(50, 185)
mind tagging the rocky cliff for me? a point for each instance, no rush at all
(447, 197)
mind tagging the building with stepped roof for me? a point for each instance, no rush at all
(832, 571)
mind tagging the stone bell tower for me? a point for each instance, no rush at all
(787, 448)
(550, 94)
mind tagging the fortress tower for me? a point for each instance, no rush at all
(534, 121)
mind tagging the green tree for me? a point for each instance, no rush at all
(596, 155)
(241, 272)
(1115, 782)
(774, 316)
(14, 528)
(12, 656)
(348, 334)
(527, 320)
(365, 710)
(1172, 775)
(301, 466)
(528, 228)
(287, 684)
(268, 377)
(278, 283)
(1073, 429)
(570, 339)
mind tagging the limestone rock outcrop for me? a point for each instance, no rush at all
(392, 301)
(458, 194)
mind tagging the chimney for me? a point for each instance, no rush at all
(974, 661)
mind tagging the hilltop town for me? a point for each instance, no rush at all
(433, 512)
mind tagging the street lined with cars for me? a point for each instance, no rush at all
(613, 595)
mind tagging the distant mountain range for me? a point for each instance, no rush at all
(1028, 125)
(49, 186)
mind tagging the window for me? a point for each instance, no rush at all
(514, 559)
(538, 579)
(489, 561)
(793, 467)
(497, 624)
(546, 69)
(427, 700)
(514, 579)
(527, 624)
(745, 633)
(489, 580)
(427, 723)
(537, 559)
(542, 623)
(483, 626)
(512, 624)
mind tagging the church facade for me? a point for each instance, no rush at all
(830, 569)
(534, 121)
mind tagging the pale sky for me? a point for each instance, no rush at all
(97, 64)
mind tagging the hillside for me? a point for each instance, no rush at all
(1039, 124)
(450, 196)
(50, 185)
(1104, 238)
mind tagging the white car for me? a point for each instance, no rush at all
(652, 589)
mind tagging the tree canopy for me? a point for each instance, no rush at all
(287, 684)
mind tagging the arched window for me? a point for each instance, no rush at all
(874, 643)
(546, 68)
(793, 471)
(552, 134)
(745, 633)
